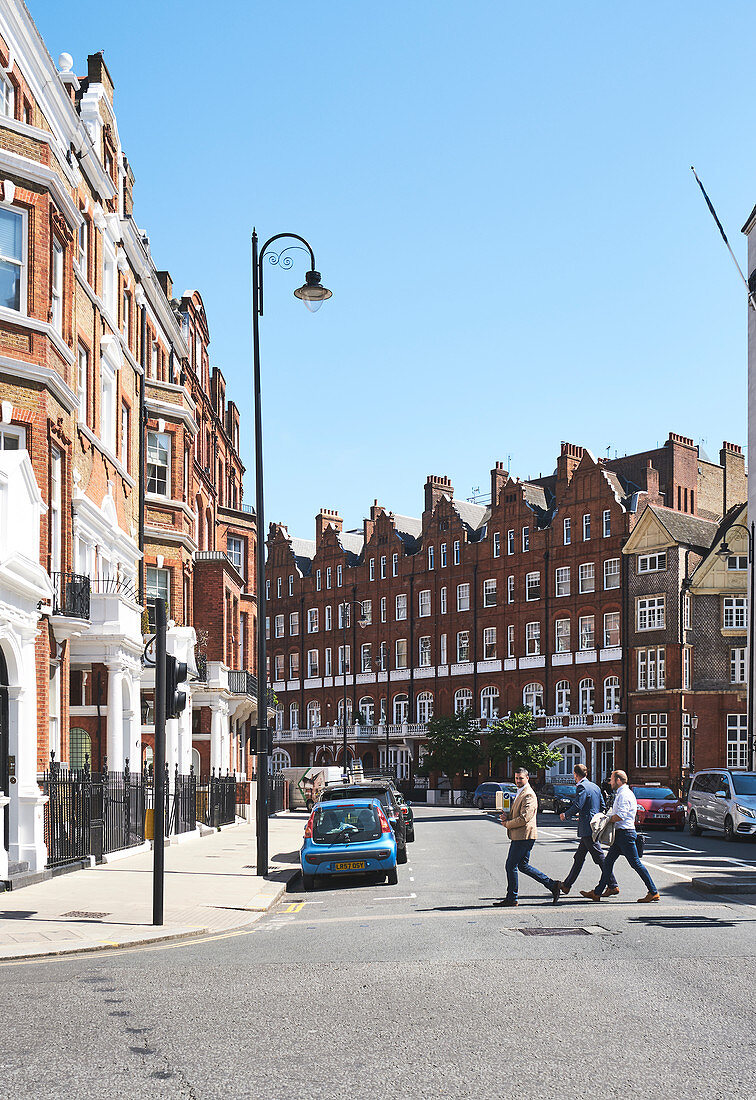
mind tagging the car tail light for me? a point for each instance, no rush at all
(405, 811)
(385, 827)
(308, 826)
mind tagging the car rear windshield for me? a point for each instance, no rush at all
(561, 788)
(660, 793)
(744, 784)
(344, 824)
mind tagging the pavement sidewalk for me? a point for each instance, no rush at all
(210, 888)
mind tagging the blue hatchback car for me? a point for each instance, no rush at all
(347, 837)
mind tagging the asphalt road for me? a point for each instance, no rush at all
(417, 990)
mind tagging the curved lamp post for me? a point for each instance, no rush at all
(346, 606)
(313, 294)
(724, 552)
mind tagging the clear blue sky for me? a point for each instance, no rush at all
(499, 196)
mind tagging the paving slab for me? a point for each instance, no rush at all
(210, 887)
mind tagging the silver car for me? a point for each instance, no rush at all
(724, 801)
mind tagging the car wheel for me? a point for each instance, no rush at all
(401, 855)
(729, 829)
(479, 803)
(695, 828)
(308, 882)
(392, 876)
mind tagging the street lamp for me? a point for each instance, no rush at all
(724, 553)
(313, 294)
(693, 728)
(361, 622)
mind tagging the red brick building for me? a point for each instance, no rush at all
(521, 601)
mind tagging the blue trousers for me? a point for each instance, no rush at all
(519, 860)
(624, 845)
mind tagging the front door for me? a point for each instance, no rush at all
(4, 742)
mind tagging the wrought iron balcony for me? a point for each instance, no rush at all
(242, 683)
(71, 596)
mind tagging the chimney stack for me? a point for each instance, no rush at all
(435, 489)
(568, 462)
(325, 519)
(734, 481)
(499, 478)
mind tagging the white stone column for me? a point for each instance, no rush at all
(216, 736)
(26, 811)
(132, 734)
(115, 718)
(185, 737)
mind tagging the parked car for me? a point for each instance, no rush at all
(386, 795)
(659, 806)
(409, 817)
(485, 794)
(347, 837)
(724, 801)
(556, 796)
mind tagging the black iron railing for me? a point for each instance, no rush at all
(71, 595)
(216, 799)
(116, 586)
(93, 813)
(242, 683)
(276, 794)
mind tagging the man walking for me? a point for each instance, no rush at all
(587, 802)
(521, 826)
(624, 809)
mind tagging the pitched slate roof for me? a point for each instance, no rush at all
(304, 552)
(689, 530)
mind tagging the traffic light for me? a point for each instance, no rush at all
(176, 673)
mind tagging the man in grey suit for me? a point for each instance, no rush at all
(588, 801)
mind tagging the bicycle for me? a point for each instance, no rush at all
(464, 799)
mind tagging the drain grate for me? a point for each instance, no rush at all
(554, 931)
(90, 916)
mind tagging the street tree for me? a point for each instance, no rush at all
(515, 738)
(452, 744)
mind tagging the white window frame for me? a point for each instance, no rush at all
(463, 699)
(424, 603)
(587, 632)
(463, 647)
(443, 555)
(431, 558)
(23, 263)
(56, 286)
(567, 531)
(7, 97)
(82, 382)
(562, 697)
(737, 741)
(586, 695)
(157, 442)
(611, 694)
(532, 639)
(734, 612)
(497, 544)
(610, 627)
(293, 624)
(424, 652)
(456, 552)
(587, 527)
(400, 653)
(366, 657)
(510, 542)
(738, 665)
(652, 563)
(607, 523)
(587, 577)
(443, 658)
(395, 565)
(278, 626)
(489, 592)
(562, 631)
(562, 580)
(463, 597)
(489, 703)
(383, 567)
(525, 539)
(400, 607)
(312, 620)
(532, 585)
(611, 573)
(510, 640)
(532, 697)
(384, 608)
(489, 643)
(443, 600)
(650, 613)
(510, 589)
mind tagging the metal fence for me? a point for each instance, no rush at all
(216, 799)
(89, 814)
(276, 794)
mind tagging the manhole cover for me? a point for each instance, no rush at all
(90, 916)
(554, 931)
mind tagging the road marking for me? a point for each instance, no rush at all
(666, 871)
(298, 907)
(710, 855)
(400, 897)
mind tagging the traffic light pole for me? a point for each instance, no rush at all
(158, 819)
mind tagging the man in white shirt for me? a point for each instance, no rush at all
(624, 810)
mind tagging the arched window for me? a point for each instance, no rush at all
(401, 709)
(313, 715)
(348, 712)
(532, 697)
(294, 716)
(489, 702)
(586, 696)
(572, 753)
(80, 748)
(611, 694)
(425, 706)
(279, 717)
(367, 710)
(563, 697)
(196, 761)
(462, 700)
(382, 712)
(280, 759)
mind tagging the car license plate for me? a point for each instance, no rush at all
(664, 817)
(355, 865)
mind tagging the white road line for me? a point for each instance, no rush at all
(711, 855)
(394, 897)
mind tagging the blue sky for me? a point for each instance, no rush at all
(499, 196)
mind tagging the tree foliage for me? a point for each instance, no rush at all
(452, 744)
(515, 738)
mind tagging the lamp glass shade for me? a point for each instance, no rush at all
(312, 293)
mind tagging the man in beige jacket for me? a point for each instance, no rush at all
(521, 826)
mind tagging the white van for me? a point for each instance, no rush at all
(305, 784)
(724, 801)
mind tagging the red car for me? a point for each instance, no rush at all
(659, 806)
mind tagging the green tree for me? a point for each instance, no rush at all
(515, 738)
(452, 744)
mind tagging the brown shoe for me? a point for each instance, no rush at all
(563, 888)
(610, 892)
(506, 903)
(591, 895)
(650, 896)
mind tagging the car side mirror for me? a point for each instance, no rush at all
(721, 794)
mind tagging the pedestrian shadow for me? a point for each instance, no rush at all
(681, 923)
(285, 857)
(458, 908)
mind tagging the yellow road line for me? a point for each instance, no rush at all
(298, 907)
